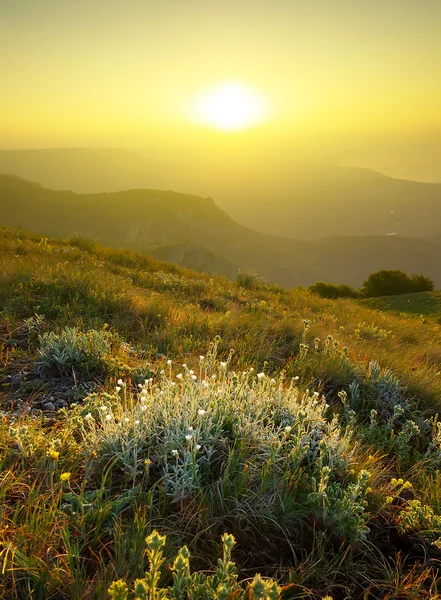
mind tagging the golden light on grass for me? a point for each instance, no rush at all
(230, 107)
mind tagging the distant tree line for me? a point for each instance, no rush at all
(381, 283)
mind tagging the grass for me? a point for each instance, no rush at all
(421, 304)
(199, 407)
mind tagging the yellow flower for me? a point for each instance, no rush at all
(65, 476)
(54, 454)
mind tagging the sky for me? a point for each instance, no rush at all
(355, 80)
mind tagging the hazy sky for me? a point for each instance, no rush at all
(360, 76)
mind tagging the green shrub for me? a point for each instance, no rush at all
(329, 290)
(85, 353)
(249, 280)
(82, 242)
(391, 283)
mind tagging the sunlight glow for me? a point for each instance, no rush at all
(230, 107)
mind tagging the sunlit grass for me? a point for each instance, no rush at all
(315, 443)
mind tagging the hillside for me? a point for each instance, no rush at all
(423, 304)
(124, 410)
(152, 220)
(300, 200)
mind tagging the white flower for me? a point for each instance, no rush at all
(103, 408)
(201, 358)
(175, 453)
(169, 362)
(184, 365)
(191, 371)
(205, 384)
(194, 377)
(140, 386)
(201, 412)
(223, 365)
(296, 378)
(260, 375)
(108, 417)
(118, 388)
(89, 416)
(198, 446)
(143, 408)
(126, 420)
(179, 375)
(136, 422)
(288, 428)
(172, 384)
(188, 437)
(190, 428)
(120, 382)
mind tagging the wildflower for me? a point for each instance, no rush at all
(198, 446)
(54, 454)
(169, 362)
(202, 358)
(137, 422)
(184, 365)
(89, 416)
(126, 420)
(118, 389)
(103, 408)
(188, 437)
(223, 365)
(191, 372)
(288, 429)
(296, 378)
(108, 417)
(179, 376)
(140, 386)
(172, 384)
(194, 377)
(120, 382)
(260, 375)
(190, 428)
(201, 412)
(65, 476)
(389, 500)
(175, 453)
(143, 408)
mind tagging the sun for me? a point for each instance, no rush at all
(229, 107)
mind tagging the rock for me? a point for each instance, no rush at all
(60, 404)
(16, 381)
(49, 406)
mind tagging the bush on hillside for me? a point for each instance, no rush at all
(249, 280)
(329, 290)
(392, 283)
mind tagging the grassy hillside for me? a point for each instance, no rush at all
(423, 304)
(195, 232)
(125, 410)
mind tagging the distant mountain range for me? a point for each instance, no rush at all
(299, 201)
(195, 232)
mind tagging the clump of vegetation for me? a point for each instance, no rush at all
(391, 283)
(329, 290)
(249, 280)
(82, 242)
(221, 584)
(381, 283)
(86, 353)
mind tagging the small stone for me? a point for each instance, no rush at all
(60, 404)
(49, 406)
(16, 380)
